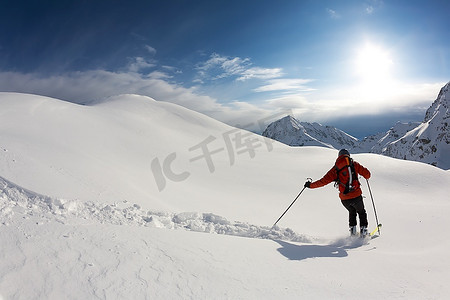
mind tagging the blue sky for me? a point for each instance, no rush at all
(357, 65)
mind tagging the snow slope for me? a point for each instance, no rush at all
(82, 215)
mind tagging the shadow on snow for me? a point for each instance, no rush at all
(337, 248)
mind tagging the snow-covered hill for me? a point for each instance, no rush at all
(132, 147)
(292, 132)
(138, 199)
(427, 142)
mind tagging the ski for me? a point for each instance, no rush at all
(377, 229)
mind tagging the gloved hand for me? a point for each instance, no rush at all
(308, 184)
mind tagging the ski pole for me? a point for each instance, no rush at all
(373, 203)
(289, 207)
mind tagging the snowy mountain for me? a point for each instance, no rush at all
(377, 143)
(290, 131)
(430, 141)
(138, 199)
(427, 142)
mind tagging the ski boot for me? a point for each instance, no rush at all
(352, 230)
(363, 233)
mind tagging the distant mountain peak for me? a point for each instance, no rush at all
(440, 105)
(292, 132)
(291, 121)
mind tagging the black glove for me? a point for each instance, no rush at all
(307, 184)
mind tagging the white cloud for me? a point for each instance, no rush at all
(159, 75)
(218, 67)
(172, 69)
(285, 84)
(150, 49)
(292, 102)
(333, 14)
(198, 80)
(234, 66)
(139, 63)
(369, 9)
(372, 5)
(354, 100)
(260, 73)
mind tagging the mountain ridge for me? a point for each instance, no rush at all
(292, 132)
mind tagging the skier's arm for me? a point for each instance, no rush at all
(329, 177)
(362, 171)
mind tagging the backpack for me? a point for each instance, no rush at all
(347, 178)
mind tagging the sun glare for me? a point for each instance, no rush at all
(373, 63)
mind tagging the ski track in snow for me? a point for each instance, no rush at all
(16, 200)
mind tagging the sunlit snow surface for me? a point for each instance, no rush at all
(82, 216)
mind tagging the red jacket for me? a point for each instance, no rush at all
(332, 176)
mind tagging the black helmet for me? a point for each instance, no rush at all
(343, 152)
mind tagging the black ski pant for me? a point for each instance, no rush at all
(355, 206)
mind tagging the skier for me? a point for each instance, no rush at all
(345, 173)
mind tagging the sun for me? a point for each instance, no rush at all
(373, 63)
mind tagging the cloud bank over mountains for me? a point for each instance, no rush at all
(215, 87)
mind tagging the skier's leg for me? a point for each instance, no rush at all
(359, 207)
(351, 212)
